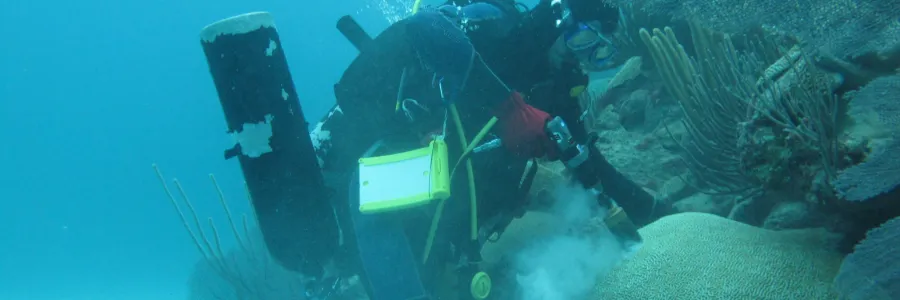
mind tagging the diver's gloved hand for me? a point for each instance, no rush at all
(522, 128)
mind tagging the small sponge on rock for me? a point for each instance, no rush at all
(703, 256)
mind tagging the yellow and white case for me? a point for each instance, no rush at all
(403, 180)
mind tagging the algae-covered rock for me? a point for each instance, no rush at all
(676, 188)
(703, 203)
(702, 256)
(794, 215)
(639, 156)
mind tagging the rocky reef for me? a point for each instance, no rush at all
(759, 142)
(746, 126)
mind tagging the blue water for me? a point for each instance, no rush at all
(94, 91)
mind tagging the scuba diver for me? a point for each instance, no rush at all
(432, 146)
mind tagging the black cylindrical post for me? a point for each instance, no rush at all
(354, 33)
(263, 113)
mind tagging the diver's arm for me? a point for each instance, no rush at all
(596, 171)
(519, 125)
(465, 77)
(638, 203)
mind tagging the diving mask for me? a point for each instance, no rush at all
(590, 46)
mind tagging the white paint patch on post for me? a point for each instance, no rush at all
(239, 24)
(271, 49)
(254, 138)
(284, 94)
(321, 141)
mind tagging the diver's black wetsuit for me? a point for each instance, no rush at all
(521, 61)
(367, 96)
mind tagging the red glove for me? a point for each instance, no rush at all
(522, 128)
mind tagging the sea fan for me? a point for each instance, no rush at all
(872, 271)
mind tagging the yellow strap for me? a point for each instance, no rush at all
(416, 6)
(473, 213)
(475, 141)
(576, 91)
(470, 174)
(415, 9)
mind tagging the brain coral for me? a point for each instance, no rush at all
(703, 256)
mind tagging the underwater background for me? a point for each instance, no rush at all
(91, 93)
